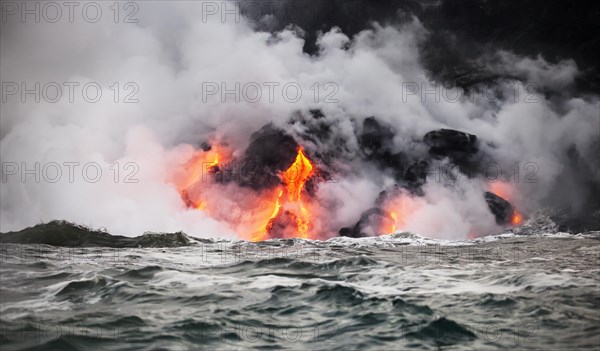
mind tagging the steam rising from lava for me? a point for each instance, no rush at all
(314, 168)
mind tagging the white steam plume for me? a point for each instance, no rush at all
(172, 51)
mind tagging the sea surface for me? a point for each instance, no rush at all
(535, 290)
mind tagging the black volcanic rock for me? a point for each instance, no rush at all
(369, 224)
(377, 143)
(388, 194)
(205, 146)
(376, 138)
(446, 141)
(315, 128)
(416, 176)
(270, 152)
(501, 208)
(460, 147)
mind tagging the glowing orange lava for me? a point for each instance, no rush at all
(393, 223)
(398, 213)
(294, 179)
(295, 176)
(517, 218)
(195, 170)
(265, 229)
(505, 191)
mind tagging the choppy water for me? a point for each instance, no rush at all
(395, 292)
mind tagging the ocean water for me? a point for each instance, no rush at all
(538, 291)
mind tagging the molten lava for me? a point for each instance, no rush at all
(201, 164)
(267, 227)
(504, 190)
(398, 212)
(295, 176)
(517, 218)
(285, 210)
(395, 219)
(294, 179)
(279, 212)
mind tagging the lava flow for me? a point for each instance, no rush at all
(294, 220)
(281, 212)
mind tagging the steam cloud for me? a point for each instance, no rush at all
(172, 52)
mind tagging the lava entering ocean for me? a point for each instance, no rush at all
(274, 193)
(295, 212)
(289, 211)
